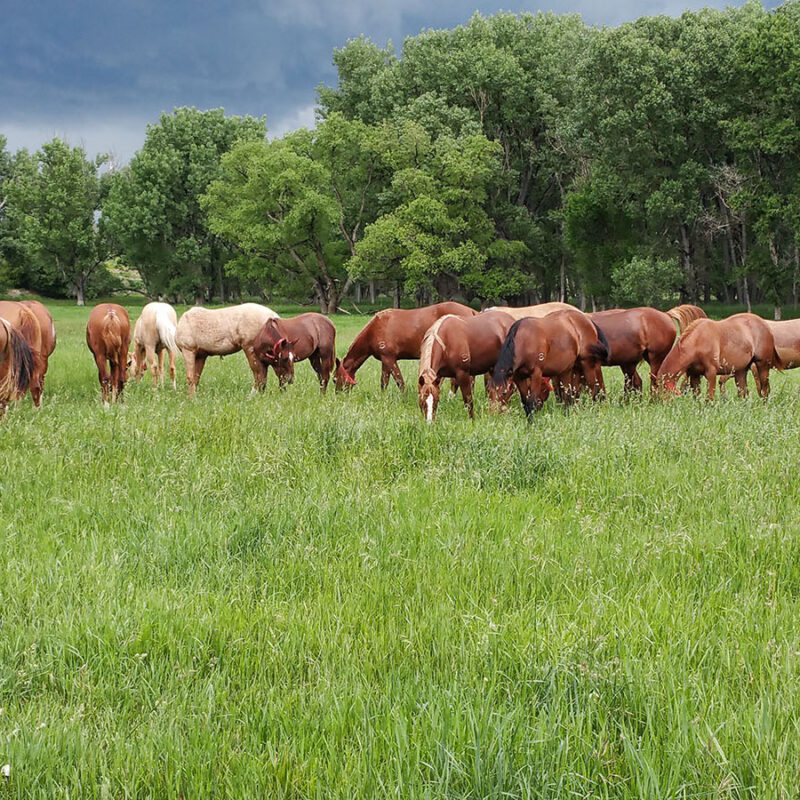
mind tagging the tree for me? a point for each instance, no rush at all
(153, 211)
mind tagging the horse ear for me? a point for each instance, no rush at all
(437, 380)
(421, 379)
(338, 363)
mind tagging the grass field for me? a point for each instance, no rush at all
(305, 596)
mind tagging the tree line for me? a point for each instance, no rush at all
(517, 157)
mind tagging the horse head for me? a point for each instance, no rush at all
(342, 378)
(282, 358)
(133, 367)
(428, 393)
(499, 393)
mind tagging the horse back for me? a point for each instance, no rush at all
(46, 325)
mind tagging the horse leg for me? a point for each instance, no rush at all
(465, 382)
(150, 358)
(694, 383)
(189, 360)
(171, 357)
(389, 367)
(740, 376)
(711, 380)
(258, 369)
(103, 376)
(761, 371)
(593, 376)
(323, 373)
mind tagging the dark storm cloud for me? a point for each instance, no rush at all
(97, 73)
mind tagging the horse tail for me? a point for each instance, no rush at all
(165, 328)
(504, 365)
(20, 364)
(685, 314)
(601, 348)
(111, 335)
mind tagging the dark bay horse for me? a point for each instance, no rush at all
(282, 342)
(636, 334)
(708, 348)
(108, 334)
(26, 321)
(459, 348)
(565, 345)
(16, 364)
(393, 334)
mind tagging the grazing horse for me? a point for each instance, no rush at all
(203, 332)
(709, 348)
(16, 364)
(393, 334)
(684, 315)
(459, 348)
(27, 323)
(48, 331)
(153, 333)
(108, 334)
(565, 345)
(636, 334)
(539, 310)
(282, 342)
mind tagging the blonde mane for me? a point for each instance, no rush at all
(685, 314)
(691, 326)
(431, 336)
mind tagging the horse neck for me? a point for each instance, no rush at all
(359, 351)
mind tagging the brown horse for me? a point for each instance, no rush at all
(48, 331)
(393, 334)
(27, 323)
(708, 348)
(153, 333)
(459, 348)
(108, 334)
(16, 364)
(203, 332)
(565, 345)
(282, 342)
(635, 334)
(539, 310)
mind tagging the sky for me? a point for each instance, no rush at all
(96, 73)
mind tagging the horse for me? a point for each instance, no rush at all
(27, 323)
(153, 333)
(282, 342)
(204, 332)
(636, 334)
(709, 348)
(108, 334)
(48, 331)
(393, 334)
(538, 310)
(458, 348)
(16, 364)
(685, 314)
(565, 345)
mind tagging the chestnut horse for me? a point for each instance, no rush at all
(730, 346)
(459, 348)
(282, 342)
(108, 334)
(27, 323)
(393, 334)
(636, 334)
(565, 345)
(539, 310)
(16, 364)
(153, 333)
(203, 332)
(48, 331)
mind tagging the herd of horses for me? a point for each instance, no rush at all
(533, 351)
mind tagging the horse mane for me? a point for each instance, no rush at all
(505, 359)
(691, 326)
(426, 349)
(601, 349)
(685, 314)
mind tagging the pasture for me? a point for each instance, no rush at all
(305, 596)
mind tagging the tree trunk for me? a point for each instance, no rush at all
(796, 275)
(358, 291)
(372, 292)
(776, 312)
(221, 281)
(396, 295)
(687, 264)
(562, 279)
(80, 291)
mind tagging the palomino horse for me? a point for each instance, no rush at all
(730, 346)
(108, 334)
(153, 333)
(48, 331)
(27, 323)
(539, 310)
(203, 332)
(282, 342)
(393, 334)
(565, 345)
(16, 364)
(636, 334)
(459, 348)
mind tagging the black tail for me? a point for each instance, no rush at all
(504, 365)
(601, 348)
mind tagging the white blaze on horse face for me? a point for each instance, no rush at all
(429, 408)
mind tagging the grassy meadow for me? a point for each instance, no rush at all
(303, 596)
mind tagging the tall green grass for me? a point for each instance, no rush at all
(295, 595)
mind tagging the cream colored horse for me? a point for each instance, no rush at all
(153, 333)
(539, 310)
(203, 332)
